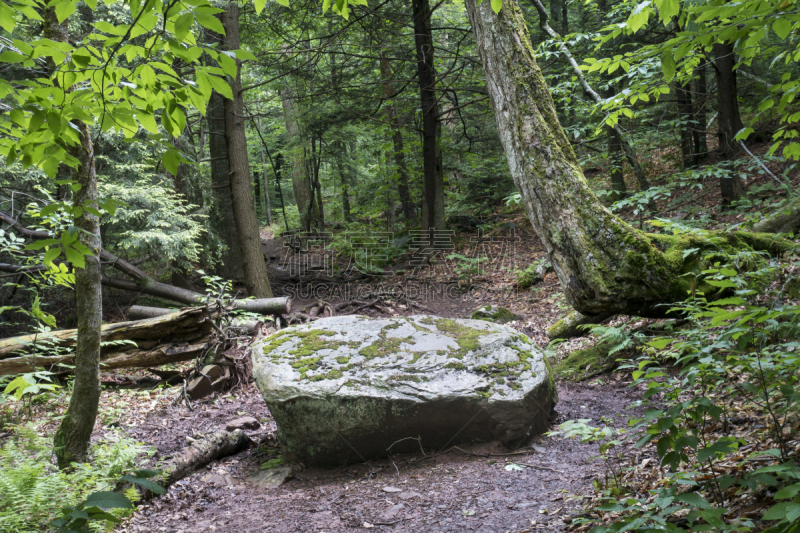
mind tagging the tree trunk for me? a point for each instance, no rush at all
(729, 122)
(71, 442)
(222, 216)
(603, 264)
(433, 177)
(301, 181)
(267, 203)
(700, 101)
(244, 210)
(144, 283)
(340, 153)
(397, 140)
(683, 99)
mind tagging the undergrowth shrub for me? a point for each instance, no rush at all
(33, 490)
(725, 426)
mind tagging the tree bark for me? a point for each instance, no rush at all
(433, 177)
(200, 453)
(71, 442)
(603, 264)
(700, 101)
(615, 158)
(340, 152)
(397, 140)
(222, 217)
(267, 203)
(784, 220)
(683, 99)
(301, 181)
(244, 210)
(729, 121)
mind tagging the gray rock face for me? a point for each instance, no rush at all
(346, 389)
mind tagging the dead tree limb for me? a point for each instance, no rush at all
(200, 453)
(142, 282)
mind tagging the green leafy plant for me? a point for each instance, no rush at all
(32, 490)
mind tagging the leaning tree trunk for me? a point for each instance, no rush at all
(71, 442)
(244, 212)
(433, 176)
(603, 264)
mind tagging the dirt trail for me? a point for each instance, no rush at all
(455, 491)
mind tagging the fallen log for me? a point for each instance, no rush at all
(145, 284)
(201, 452)
(141, 312)
(180, 336)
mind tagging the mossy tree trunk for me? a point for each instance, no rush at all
(603, 264)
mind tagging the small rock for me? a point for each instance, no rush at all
(211, 379)
(246, 422)
(409, 495)
(391, 489)
(272, 477)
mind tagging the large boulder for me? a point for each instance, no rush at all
(351, 388)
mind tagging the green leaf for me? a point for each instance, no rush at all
(695, 500)
(8, 19)
(244, 55)
(497, 5)
(183, 25)
(75, 257)
(210, 22)
(782, 27)
(152, 486)
(667, 9)
(660, 344)
(108, 500)
(221, 86)
(788, 492)
(285, 3)
(259, 5)
(51, 254)
(728, 301)
(171, 160)
(64, 9)
(668, 65)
